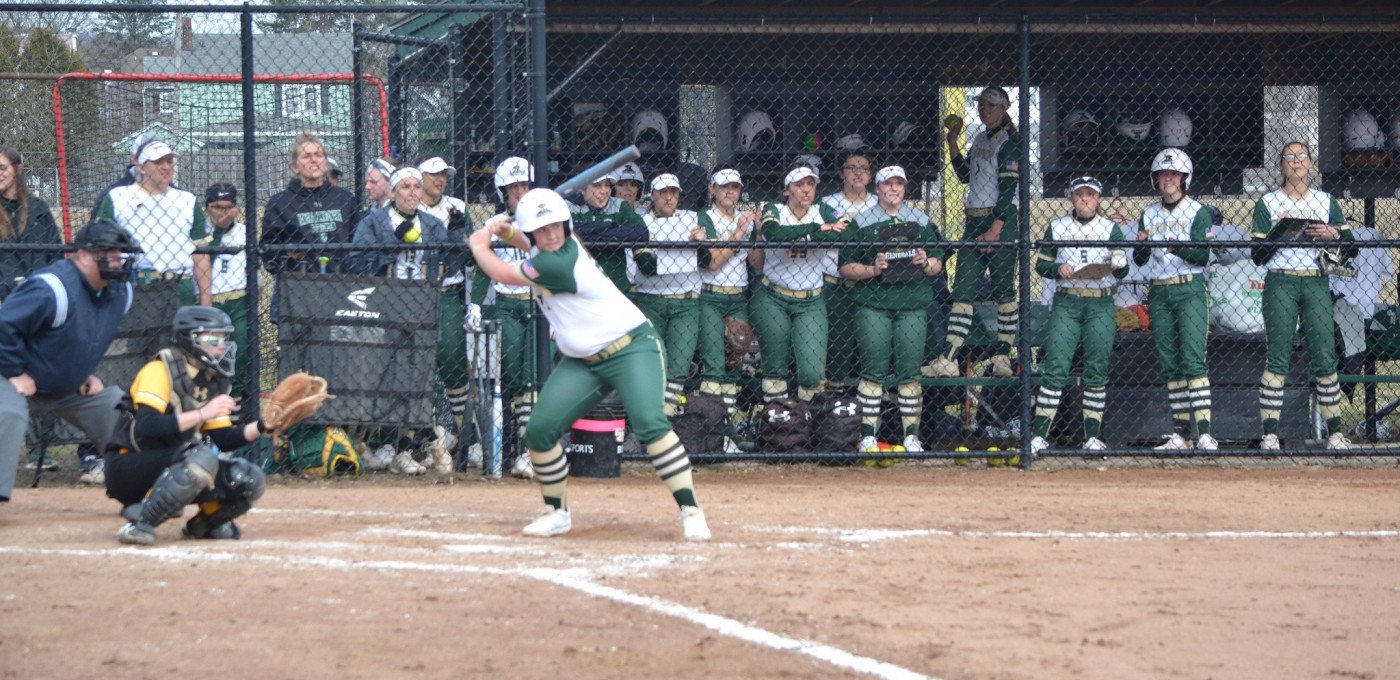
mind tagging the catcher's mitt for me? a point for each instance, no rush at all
(295, 399)
(738, 337)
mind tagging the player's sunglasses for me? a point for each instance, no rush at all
(211, 339)
(1296, 157)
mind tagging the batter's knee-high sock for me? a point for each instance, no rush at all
(911, 406)
(1047, 401)
(668, 456)
(673, 398)
(1008, 316)
(522, 407)
(552, 470)
(959, 325)
(1199, 389)
(1095, 400)
(1329, 402)
(774, 389)
(868, 394)
(1180, 397)
(1270, 401)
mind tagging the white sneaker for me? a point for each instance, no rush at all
(1094, 444)
(94, 472)
(404, 464)
(912, 443)
(1269, 443)
(1207, 443)
(1001, 366)
(522, 467)
(942, 367)
(867, 444)
(1173, 442)
(693, 524)
(1038, 444)
(380, 458)
(1338, 442)
(552, 522)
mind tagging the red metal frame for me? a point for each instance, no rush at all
(193, 78)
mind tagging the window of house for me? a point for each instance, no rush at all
(160, 100)
(301, 100)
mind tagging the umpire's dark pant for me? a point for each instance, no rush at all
(96, 416)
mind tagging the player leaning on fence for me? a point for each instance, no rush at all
(992, 175)
(607, 344)
(165, 221)
(1082, 312)
(724, 280)
(788, 311)
(1296, 291)
(668, 288)
(892, 295)
(1177, 299)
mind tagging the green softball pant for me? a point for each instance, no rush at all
(517, 320)
(636, 372)
(1291, 301)
(714, 307)
(790, 328)
(677, 322)
(882, 333)
(237, 310)
(1075, 320)
(841, 342)
(1179, 326)
(967, 272)
(452, 338)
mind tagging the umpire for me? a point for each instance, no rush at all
(54, 329)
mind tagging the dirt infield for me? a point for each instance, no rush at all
(814, 572)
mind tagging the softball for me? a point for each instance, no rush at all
(952, 119)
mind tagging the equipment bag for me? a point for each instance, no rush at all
(835, 422)
(314, 451)
(701, 425)
(784, 425)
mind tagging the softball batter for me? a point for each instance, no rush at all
(1177, 298)
(992, 176)
(1296, 293)
(1082, 313)
(892, 295)
(607, 344)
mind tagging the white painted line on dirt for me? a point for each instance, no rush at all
(873, 535)
(731, 628)
(573, 579)
(432, 535)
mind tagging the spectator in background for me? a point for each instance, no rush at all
(456, 287)
(230, 276)
(308, 213)
(27, 220)
(165, 221)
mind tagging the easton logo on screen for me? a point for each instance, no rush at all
(359, 298)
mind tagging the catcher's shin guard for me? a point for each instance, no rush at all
(238, 486)
(179, 485)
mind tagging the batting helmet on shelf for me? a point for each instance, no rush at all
(1360, 131)
(650, 132)
(756, 132)
(1172, 159)
(1136, 132)
(1174, 128)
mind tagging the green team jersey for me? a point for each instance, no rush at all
(613, 259)
(876, 293)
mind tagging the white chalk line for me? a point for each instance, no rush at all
(875, 535)
(578, 580)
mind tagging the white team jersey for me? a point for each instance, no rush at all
(160, 224)
(677, 271)
(230, 269)
(1170, 225)
(593, 317)
(512, 257)
(983, 169)
(843, 206)
(1316, 206)
(440, 211)
(799, 267)
(1098, 229)
(735, 271)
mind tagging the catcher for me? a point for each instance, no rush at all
(179, 397)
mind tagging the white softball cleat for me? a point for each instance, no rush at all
(553, 522)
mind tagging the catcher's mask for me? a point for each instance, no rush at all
(102, 235)
(193, 320)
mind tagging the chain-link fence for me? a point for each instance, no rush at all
(951, 239)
